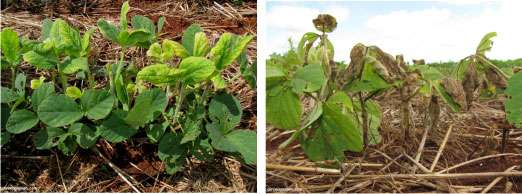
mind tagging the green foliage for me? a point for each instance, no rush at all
(513, 104)
(181, 111)
(59, 110)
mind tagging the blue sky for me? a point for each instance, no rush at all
(432, 30)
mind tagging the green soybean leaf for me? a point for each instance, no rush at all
(248, 71)
(338, 132)
(47, 138)
(283, 110)
(7, 95)
(513, 104)
(311, 77)
(115, 129)
(161, 22)
(73, 92)
(109, 31)
(155, 52)
(374, 113)
(85, 44)
(67, 145)
(40, 94)
(47, 24)
(446, 97)
(486, 43)
(59, 110)
(225, 109)
(137, 36)
(245, 143)
(148, 105)
(155, 131)
(40, 61)
(172, 152)
(20, 84)
(123, 15)
(242, 141)
(172, 47)
(4, 137)
(196, 69)
(142, 22)
(159, 74)
(97, 104)
(84, 135)
(75, 65)
(189, 36)
(10, 45)
(5, 114)
(228, 48)
(21, 121)
(218, 81)
(36, 83)
(201, 45)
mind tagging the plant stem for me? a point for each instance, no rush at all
(179, 102)
(364, 120)
(13, 77)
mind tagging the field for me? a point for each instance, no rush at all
(380, 125)
(126, 100)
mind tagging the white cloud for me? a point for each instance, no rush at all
(292, 21)
(435, 34)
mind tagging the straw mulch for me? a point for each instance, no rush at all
(46, 171)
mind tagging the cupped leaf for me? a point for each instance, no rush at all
(75, 65)
(85, 44)
(201, 45)
(108, 30)
(189, 37)
(10, 45)
(84, 135)
(59, 110)
(123, 15)
(47, 138)
(115, 129)
(486, 43)
(40, 94)
(137, 36)
(196, 69)
(159, 74)
(40, 61)
(142, 22)
(73, 92)
(97, 104)
(171, 48)
(283, 110)
(21, 121)
(36, 83)
(7, 95)
(228, 48)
